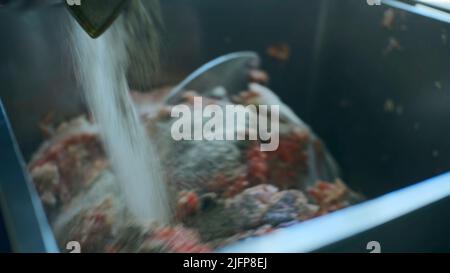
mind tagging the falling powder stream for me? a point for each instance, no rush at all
(101, 67)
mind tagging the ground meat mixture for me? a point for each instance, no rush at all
(222, 191)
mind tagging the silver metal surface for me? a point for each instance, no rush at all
(21, 207)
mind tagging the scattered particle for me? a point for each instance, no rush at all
(416, 126)
(438, 85)
(259, 76)
(219, 92)
(388, 19)
(393, 44)
(280, 52)
(444, 36)
(389, 106)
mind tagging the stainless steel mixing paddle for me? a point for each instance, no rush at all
(231, 72)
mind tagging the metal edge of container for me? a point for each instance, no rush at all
(329, 229)
(420, 8)
(26, 223)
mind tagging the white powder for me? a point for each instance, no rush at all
(101, 65)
